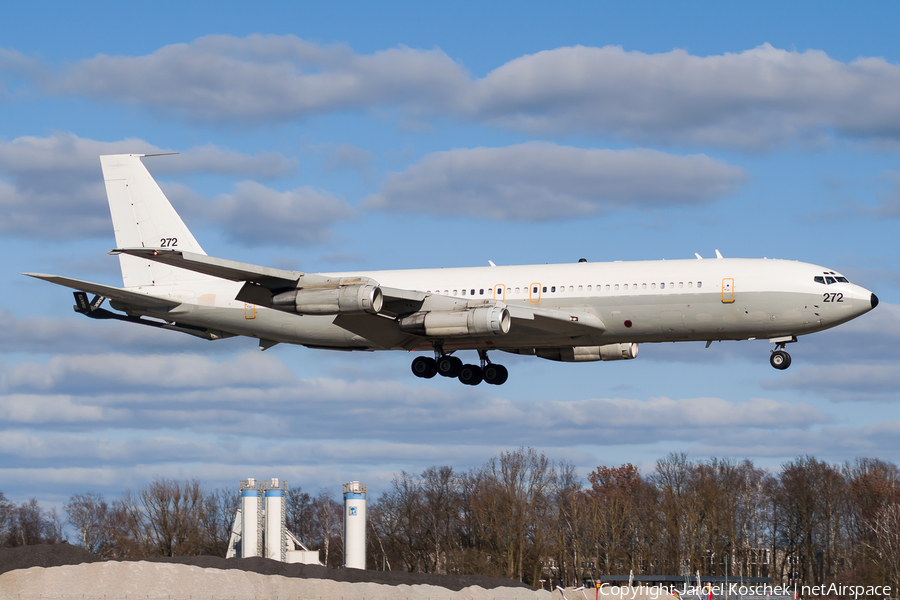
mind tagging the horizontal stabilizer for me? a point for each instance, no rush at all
(222, 268)
(106, 291)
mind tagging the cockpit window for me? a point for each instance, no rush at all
(842, 279)
(829, 280)
(819, 279)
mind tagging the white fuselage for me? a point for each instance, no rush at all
(639, 301)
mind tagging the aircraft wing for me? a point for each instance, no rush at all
(568, 322)
(106, 291)
(261, 281)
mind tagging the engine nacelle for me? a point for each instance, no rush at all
(487, 320)
(589, 353)
(343, 300)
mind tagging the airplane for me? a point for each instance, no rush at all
(577, 312)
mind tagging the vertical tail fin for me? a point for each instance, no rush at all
(143, 218)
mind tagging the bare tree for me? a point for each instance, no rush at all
(327, 520)
(6, 509)
(29, 524)
(217, 520)
(89, 514)
(162, 519)
(299, 514)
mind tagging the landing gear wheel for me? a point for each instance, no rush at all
(424, 366)
(495, 374)
(449, 366)
(780, 360)
(470, 375)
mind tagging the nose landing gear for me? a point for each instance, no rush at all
(780, 359)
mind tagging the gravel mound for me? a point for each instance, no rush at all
(165, 581)
(44, 555)
(56, 555)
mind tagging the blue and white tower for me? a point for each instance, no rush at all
(276, 537)
(355, 525)
(250, 532)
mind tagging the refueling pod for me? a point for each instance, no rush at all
(625, 351)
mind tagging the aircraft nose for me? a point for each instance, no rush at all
(874, 300)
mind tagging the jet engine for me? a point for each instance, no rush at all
(589, 353)
(487, 320)
(343, 300)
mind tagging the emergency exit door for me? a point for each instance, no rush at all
(728, 290)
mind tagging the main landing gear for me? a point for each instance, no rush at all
(450, 366)
(780, 359)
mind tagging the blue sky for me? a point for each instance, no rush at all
(346, 136)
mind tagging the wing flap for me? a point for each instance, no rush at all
(559, 321)
(128, 297)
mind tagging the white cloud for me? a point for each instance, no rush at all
(537, 181)
(845, 382)
(52, 187)
(255, 394)
(255, 214)
(264, 77)
(161, 371)
(32, 409)
(756, 99)
(80, 335)
(881, 439)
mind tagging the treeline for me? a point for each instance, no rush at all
(523, 516)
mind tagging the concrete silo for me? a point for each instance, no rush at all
(251, 540)
(276, 535)
(355, 525)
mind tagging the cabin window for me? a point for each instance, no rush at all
(634, 286)
(625, 287)
(607, 287)
(464, 292)
(589, 288)
(579, 288)
(617, 287)
(481, 292)
(652, 286)
(643, 286)
(534, 291)
(543, 289)
(454, 292)
(690, 284)
(680, 285)
(552, 288)
(446, 292)
(699, 284)
(517, 290)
